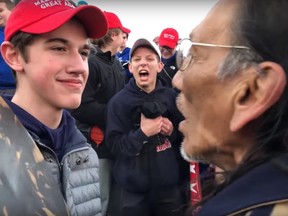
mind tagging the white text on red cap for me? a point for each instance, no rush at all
(48, 3)
(172, 37)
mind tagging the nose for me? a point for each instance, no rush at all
(77, 64)
(143, 62)
(178, 80)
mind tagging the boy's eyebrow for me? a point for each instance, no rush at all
(62, 40)
(66, 42)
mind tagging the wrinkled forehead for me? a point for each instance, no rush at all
(216, 27)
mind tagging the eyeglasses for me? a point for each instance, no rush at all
(184, 56)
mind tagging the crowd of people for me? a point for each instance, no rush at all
(111, 130)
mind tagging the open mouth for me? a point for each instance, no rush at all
(144, 74)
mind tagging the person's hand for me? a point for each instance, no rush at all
(151, 127)
(167, 127)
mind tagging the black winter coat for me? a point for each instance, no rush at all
(142, 163)
(106, 78)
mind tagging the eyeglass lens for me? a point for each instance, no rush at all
(182, 53)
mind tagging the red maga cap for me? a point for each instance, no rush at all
(43, 16)
(169, 37)
(114, 22)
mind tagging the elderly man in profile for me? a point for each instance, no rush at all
(234, 97)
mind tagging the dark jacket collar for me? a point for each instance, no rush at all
(264, 184)
(105, 56)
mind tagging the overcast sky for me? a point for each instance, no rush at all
(148, 18)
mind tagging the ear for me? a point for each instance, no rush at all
(130, 67)
(113, 35)
(160, 66)
(11, 55)
(257, 94)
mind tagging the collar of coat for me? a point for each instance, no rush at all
(264, 185)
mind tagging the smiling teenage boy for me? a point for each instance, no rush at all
(46, 44)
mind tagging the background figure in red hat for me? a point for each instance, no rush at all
(167, 43)
(47, 46)
(190, 185)
(106, 78)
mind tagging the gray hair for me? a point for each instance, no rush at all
(237, 61)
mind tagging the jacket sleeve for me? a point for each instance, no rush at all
(121, 137)
(91, 111)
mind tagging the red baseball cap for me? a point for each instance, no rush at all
(114, 22)
(42, 16)
(169, 37)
